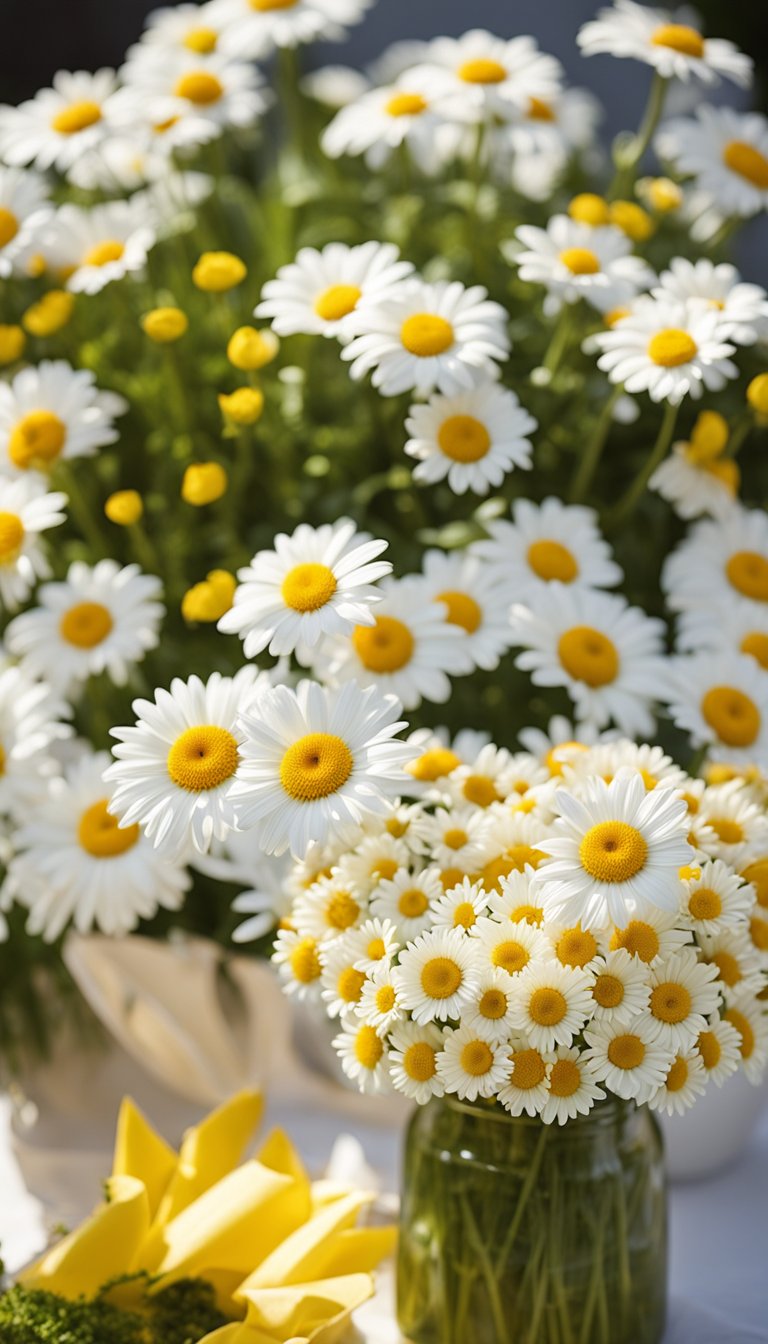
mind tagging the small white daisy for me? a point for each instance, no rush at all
(721, 700)
(627, 1058)
(620, 990)
(373, 859)
(742, 308)
(364, 1056)
(462, 906)
(685, 1082)
(185, 27)
(24, 211)
(674, 49)
(298, 964)
(572, 1088)
(510, 945)
(560, 744)
(574, 945)
(574, 261)
(719, 1049)
(489, 1014)
(684, 992)
(61, 124)
(733, 956)
(470, 1066)
(615, 850)
(314, 762)
(527, 1087)
(730, 824)
(316, 582)
(552, 1003)
(91, 248)
(378, 1004)
(608, 758)
(669, 350)
(655, 933)
(696, 484)
(428, 336)
(407, 899)
(342, 984)
(188, 86)
(253, 28)
(52, 413)
(328, 908)
(720, 562)
(749, 1018)
(493, 774)
(717, 899)
(31, 721)
(412, 113)
(477, 600)
(317, 292)
(548, 543)
(373, 945)
(26, 510)
(726, 152)
(740, 628)
(100, 619)
(472, 439)
(437, 974)
(494, 75)
(413, 1060)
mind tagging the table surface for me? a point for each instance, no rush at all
(719, 1233)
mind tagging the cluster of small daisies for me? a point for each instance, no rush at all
(542, 928)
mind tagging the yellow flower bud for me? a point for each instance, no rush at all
(661, 194)
(124, 507)
(757, 394)
(615, 315)
(709, 437)
(249, 349)
(219, 271)
(12, 342)
(36, 265)
(208, 601)
(587, 208)
(203, 483)
(164, 325)
(632, 219)
(50, 313)
(243, 406)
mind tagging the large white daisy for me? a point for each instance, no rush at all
(61, 124)
(26, 510)
(721, 700)
(676, 50)
(317, 292)
(574, 261)
(52, 413)
(253, 28)
(472, 438)
(684, 992)
(573, 1089)
(437, 974)
(743, 308)
(668, 349)
(470, 1066)
(548, 543)
(415, 112)
(24, 210)
(202, 88)
(413, 1060)
(726, 152)
(628, 1059)
(93, 247)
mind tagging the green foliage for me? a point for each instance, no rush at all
(181, 1314)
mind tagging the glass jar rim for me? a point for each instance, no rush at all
(608, 1110)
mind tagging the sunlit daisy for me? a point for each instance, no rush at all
(493, 74)
(314, 762)
(489, 1014)
(437, 974)
(653, 934)
(726, 152)
(317, 292)
(60, 124)
(492, 774)
(743, 308)
(298, 963)
(559, 745)
(364, 1056)
(100, 619)
(684, 992)
(605, 653)
(328, 908)
(720, 562)
(429, 336)
(52, 413)
(26, 510)
(730, 824)
(513, 845)
(470, 1066)
(410, 112)
(718, 1046)
(552, 1003)
(24, 211)
(573, 945)
(751, 1022)
(406, 900)
(460, 907)
(378, 1002)
(31, 722)
(627, 1058)
(675, 50)
(669, 350)
(620, 989)
(509, 945)
(317, 582)
(695, 483)
(342, 984)
(721, 699)
(527, 1088)
(436, 756)
(477, 600)
(736, 960)
(548, 543)
(184, 28)
(91, 248)
(373, 859)
(574, 261)
(717, 899)
(187, 86)
(472, 439)
(413, 1060)
(685, 1082)
(373, 945)
(572, 1088)
(253, 28)
(608, 758)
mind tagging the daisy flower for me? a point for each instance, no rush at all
(627, 1058)
(436, 756)
(30, 723)
(719, 1049)
(342, 984)
(751, 1022)
(100, 619)
(669, 350)
(369, 861)
(675, 50)
(730, 824)
(335, 85)
(378, 1004)
(437, 974)
(413, 1061)
(574, 945)
(606, 654)
(560, 744)
(574, 261)
(721, 700)
(183, 28)
(318, 291)
(684, 992)
(317, 582)
(508, 945)
(491, 776)
(328, 908)
(695, 484)
(364, 1057)
(24, 211)
(211, 89)
(94, 247)
(373, 945)
(552, 1002)
(174, 767)
(472, 439)
(61, 124)
(615, 850)
(620, 989)
(608, 758)
(410, 650)
(315, 762)
(548, 543)
(26, 510)
(53, 413)
(477, 602)
(493, 74)
(406, 900)
(527, 1087)
(462, 906)
(253, 28)
(572, 1088)
(741, 628)
(298, 963)
(726, 152)
(74, 863)
(743, 308)
(716, 900)
(719, 562)
(413, 112)
(513, 843)
(469, 1066)
(428, 336)
(735, 960)
(265, 906)
(489, 1014)
(654, 933)
(685, 1082)
(539, 139)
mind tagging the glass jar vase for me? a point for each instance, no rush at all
(517, 1232)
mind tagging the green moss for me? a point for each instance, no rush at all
(181, 1314)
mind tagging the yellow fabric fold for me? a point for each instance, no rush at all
(306, 1308)
(356, 1250)
(278, 1153)
(141, 1152)
(105, 1246)
(297, 1258)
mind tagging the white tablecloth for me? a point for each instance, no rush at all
(719, 1234)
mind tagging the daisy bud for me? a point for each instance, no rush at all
(249, 349)
(203, 483)
(208, 601)
(124, 507)
(243, 406)
(632, 219)
(757, 394)
(164, 325)
(50, 313)
(708, 437)
(217, 272)
(12, 342)
(587, 208)
(661, 194)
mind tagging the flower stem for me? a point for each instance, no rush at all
(629, 155)
(559, 342)
(630, 499)
(739, 433)
(594, 449)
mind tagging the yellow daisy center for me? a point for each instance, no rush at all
(368, 1047)
(576, 947)
(202, 40)
(349, 985)
(639, 939)
(527, 914)
(338, 301)
(588, 208)
(743, 1025)
(710, 1049)
(264, 6)
(538, 110)
(384, 647)
(626, 1052)
(547, 1007)
(440, 977)
(385, 999)
(480, 790)
(510, 956)
(580, 261)
(678, 1075)
(202, 758)
(482, 71)
(743, 159)
(315, 766)
(565, 1078)
(728, 967)
(588, 655)
(732, 715)
(342, 910)
(705, 903)
(426, 335)
(305, 962)
(412, 903)
(103, 253)
(528, 1070)
(550, 560)
(406, 105)
(758, 932)
(199, 87)
(36, 440)
(608, 991)
(376, 949)
(492, 1005)
(85, 625)
(463, 438)
(670, 1002)
(747, 572)
(756, 645)
(11, 537)
(551, 761)
(308, 587)
(757, 874)
(419, 1062)
(100, 835)
(726, 830)
(76, 117)
(455, 838)
(9, 226)
(435, 764)
(679, 37)
(476, 1058)
(613, 851)
(463, 610)
(671, 348)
